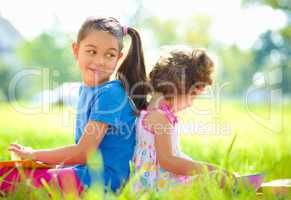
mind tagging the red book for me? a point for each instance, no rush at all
(26, 164)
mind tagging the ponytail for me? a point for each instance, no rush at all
(132, 72)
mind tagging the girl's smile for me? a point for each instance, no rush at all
(96, 69)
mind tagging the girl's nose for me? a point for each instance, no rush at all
(99, 60)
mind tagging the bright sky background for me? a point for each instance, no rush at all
(232, 24)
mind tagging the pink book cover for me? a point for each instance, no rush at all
(254, 180)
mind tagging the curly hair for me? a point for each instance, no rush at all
(180, 71)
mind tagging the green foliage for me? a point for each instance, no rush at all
(276, 43)
(277, 4)
(237, 63)
(46, 51)
(197, 31)
(164, 31)
(4, 80)
(194, 31)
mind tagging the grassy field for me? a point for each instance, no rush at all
(262, 144)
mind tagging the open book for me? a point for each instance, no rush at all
(26, 164)
(254, 180)
(16, 161)
(279, 186)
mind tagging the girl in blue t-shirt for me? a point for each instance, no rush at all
(105, 114)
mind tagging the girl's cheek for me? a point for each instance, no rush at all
(185, 105)
(190, 104)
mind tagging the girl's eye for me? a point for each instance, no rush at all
(91, 52)
(110, 55)
(193, 92)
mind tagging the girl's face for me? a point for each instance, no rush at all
(97, 56)
(184, 101)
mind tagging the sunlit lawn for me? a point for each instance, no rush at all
(262, 143)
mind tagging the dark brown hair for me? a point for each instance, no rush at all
(181, 70)
(132, 71)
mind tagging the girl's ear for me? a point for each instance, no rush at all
(75, 49)
(120, 55)
(199, 90)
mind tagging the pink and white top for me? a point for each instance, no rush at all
(150, 174)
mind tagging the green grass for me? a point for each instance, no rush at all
(257, 148)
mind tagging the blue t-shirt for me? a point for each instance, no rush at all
(107, 103)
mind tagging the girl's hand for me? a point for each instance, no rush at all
(25, 153)
(224, 176)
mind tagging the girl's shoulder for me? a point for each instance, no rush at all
(151, 120)
(155, 115)
(112, 95)
(158, 119)
(114, 85)
(110, 86)
(112, 89)
(162, 114)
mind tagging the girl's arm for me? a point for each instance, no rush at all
(176, 164)
(68, 155)
(161, 127)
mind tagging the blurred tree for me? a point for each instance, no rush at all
(4, 80)
(196, 32)
(163, 32)
(273, 49)
(237, 63)
(193, 32)
(47, 51)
